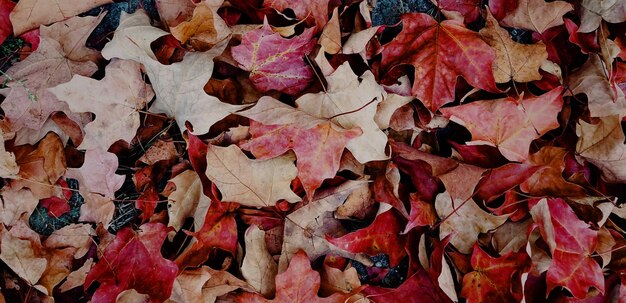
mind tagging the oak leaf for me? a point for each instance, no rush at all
(514, 61)
(571, 242)
(115, 100)
(30, 14)
(298, 284)
(464, 220)
(317, 143)
(537, 15)
(133, 261)
(603, 145)
(179, 87)
(351, 101)
(440, 52)
(508, 124)
(276, 63)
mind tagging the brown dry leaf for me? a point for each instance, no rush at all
(605, 99)
(335, 280)
(188, 285)
(41, 168)
(8, 166)
(221, 283)
(28, 102)
(30, 14)
(21, 251)
(603, 145)
(115, 100)
(357, 202)
(464, 220)
(179, 87)
(59, 267)
(205, 29)
(549, 181)
(255, 183)
(78, 237)
(330, 38)
(592, 12)
(132, 296)
(537, 15)
(514, 61)
(258, 267)
(187, 200)
(16, 203)
(307, 227)
(351, 101)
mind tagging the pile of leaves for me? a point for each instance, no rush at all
(313, 151)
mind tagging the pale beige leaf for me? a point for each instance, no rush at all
(23, 256)
(8, 167)
(251, 182)
(16, 203)
(205, 28)
(466, 223)
(97, 209)
(75, 236)
(187, 200)
(258, 267)
(593, 11)
(330, 38)
(188, 285)
(179, 87)
(97, 175)
(160, 150)
(77, 277)
(351, 102)
(132, 296)
(537, 15)
(30, 14)
(605, 99)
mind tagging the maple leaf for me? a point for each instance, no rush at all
(508, 124)
(440, 52)
(275, 63)
(133, 261)
(258, 267)
(603, 145)
(97, 175)
(299, 283)
(548, 180)
(21, 250)
(28, 102)
(469, 9)
(29, 14)
(205, 28)
(187, 201)
(317, 143)
(6, 29)
(350, 103)
(179, 87)
(514, 61)
(380, 237)
(306, 228)
(593, 12)
(464, 219)
(249, 182)
(605, 98)
(495, 279)
(315, 10)
(571, 242)
(537, 15)
(116, 100)
(417, 288)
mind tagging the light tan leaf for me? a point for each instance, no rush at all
(537, 15)
(330, 38)
(160, 150)
(179, 87)
(603, 145)
(30, 14)
(514, 61)
(16, 203)
(258, 267)
(188, 285)
(251, 182)
(74, 236)
(77, 277)
(187, 200)
(205, 28)
(466, 223)
(97, 209)
(8, 167)
(605, 98)
(593, 11)
(351, 102)
(21, 251)
(97, 175)
(132, 296)
(173, 12)
(335, 280)
(116, 101)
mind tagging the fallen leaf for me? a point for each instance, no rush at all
(133, 261)
(316, 11)
(21, 251)
(604, 98)
(603, 145)
(115, 100)
(188, 285)
(258, 267)
(179, 87)
(8, 166)
(464, 220)
(205, 29)
(6, 29)
(30, 14)
(548, 180)
(440, 52)
(97, 175)
(514, 61)
(537, 15)
(187, 201)
(276, 63)
(16, 203)
(508, 124)
(250, 182)
(593, 12)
